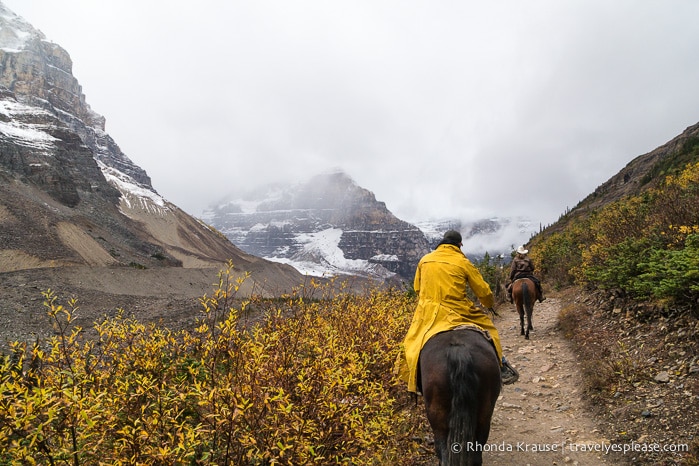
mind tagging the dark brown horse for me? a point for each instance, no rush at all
(524, 295)
(460, 381)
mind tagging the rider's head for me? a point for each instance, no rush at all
(521, 251)
(451, 237)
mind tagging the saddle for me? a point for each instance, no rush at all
(523, 276)
(475, 328)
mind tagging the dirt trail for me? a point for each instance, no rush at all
(541, 419)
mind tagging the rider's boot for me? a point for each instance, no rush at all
(508, 373)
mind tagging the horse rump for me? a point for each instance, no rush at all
(461, 383)
(524, 293)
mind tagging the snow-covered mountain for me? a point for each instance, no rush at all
(327, 225)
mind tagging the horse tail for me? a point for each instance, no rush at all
(464, 402)
(526, 297)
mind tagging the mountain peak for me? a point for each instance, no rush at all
(324, 226)
(15, 32)
(38, 74)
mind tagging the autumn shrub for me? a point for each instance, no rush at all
(558, 256)
(652, 252)
(303, 380)
(644, 245)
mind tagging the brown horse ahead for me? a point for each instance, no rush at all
(524, 295)
(460, 380)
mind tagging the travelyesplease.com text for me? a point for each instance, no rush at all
(606, 448)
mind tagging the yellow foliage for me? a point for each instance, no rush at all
(302, 380)
(688, 177)
(611, 246)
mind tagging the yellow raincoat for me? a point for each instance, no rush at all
(440, 281)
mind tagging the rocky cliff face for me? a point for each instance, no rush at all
(68, 195)
(328, 224)
(644, 171)
(40, 74)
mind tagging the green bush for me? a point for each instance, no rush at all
(672, 274)
(620, 268)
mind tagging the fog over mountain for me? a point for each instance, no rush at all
(330, 225)
(495, 236)
(439, 112)
(442, 109)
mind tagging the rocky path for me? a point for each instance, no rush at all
(541, 419)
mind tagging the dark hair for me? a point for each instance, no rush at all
(451, 237)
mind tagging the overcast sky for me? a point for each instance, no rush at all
(441, 108)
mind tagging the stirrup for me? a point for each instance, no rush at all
(508, 374)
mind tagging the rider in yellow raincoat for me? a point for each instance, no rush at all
(440, 281)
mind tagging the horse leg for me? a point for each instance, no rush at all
(530, 310)
(440, 428)
(437, 396)
(485, 411)
(528, 296)
(529, 324)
